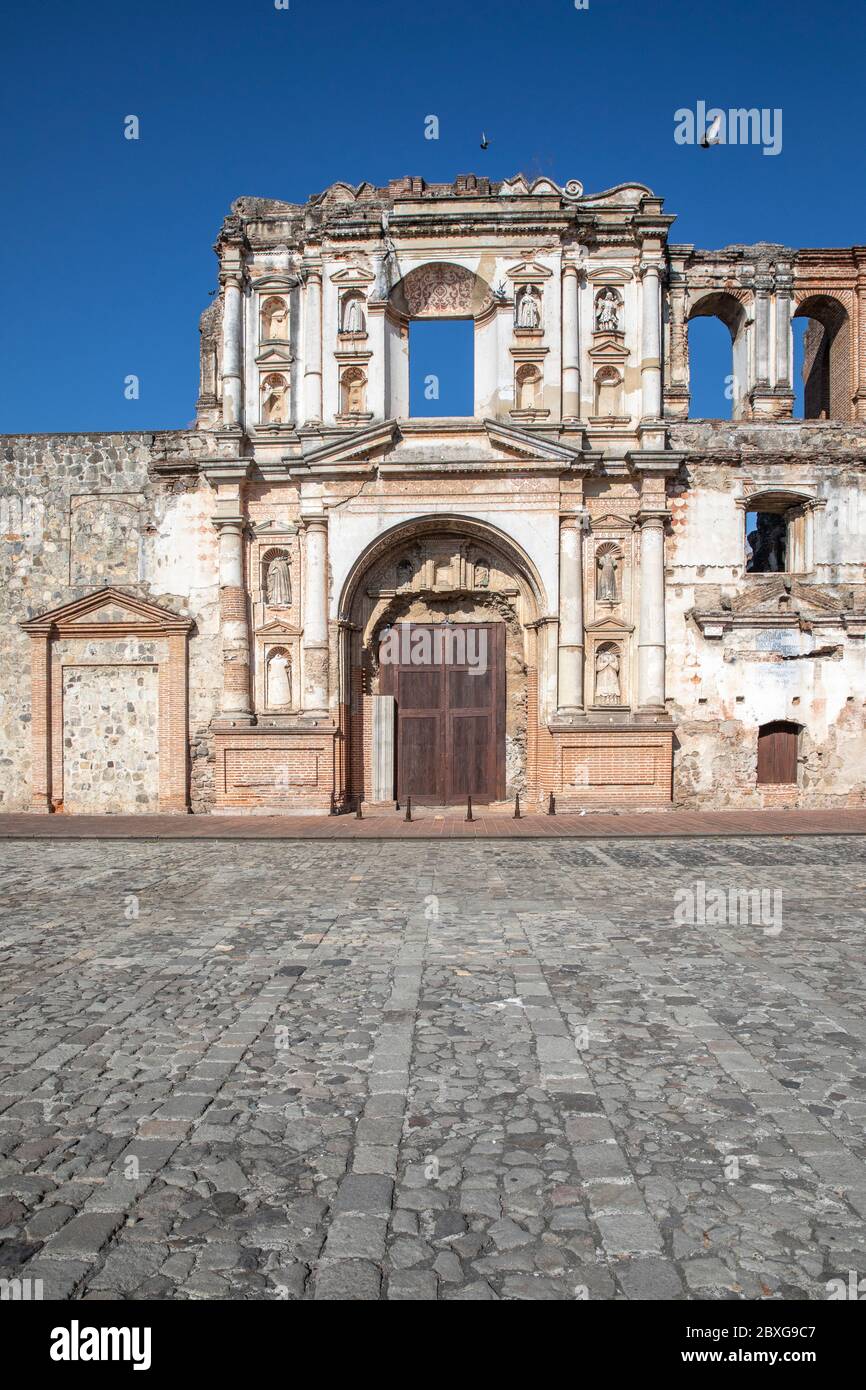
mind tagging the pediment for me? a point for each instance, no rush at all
(274, 530)
(352, 275)
(107, 612)
(275, 357)
(609, 275)
(529, 270)
(609, 346)
(278, 629)
(782, 595)
(358, 445)
(614, 626)
(612, 522)
(530, 446)
(275, 280)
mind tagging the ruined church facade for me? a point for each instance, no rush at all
(320, 596)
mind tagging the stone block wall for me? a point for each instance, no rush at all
(79, 512)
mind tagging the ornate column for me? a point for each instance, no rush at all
(570, 342)
(232, 382)
(651, 635)
(650, 342)
(234, 622)
(315, 616)
(313, 345)
(570, 672)
(676, 391)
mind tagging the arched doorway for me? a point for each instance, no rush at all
(439, 665)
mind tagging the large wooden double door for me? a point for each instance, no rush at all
(450, 729)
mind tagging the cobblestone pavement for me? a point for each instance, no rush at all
(479, 1070)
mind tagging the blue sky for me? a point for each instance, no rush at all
(108, 258)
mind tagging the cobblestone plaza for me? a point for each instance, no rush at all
(474, 1071)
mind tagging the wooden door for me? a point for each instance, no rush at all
(777, 753)
(451, 714)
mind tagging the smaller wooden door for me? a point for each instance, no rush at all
(777, 753)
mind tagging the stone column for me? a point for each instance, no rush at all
(570, 343)
(570, 674)
(232, 349)
(650, 343)
(651, 637)
(313, 345)
(315, 616)
(234, 622)
(677, 386)
(783, 337)
(762, 332)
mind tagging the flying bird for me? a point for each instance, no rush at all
(711, 134)
(484, 141)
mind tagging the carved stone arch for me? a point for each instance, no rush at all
(448, 553)
(441, 290)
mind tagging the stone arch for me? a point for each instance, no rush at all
(442, 570)
(730, 310)
(441, 290)
(827, 358)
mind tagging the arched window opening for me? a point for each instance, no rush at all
(718, 358)
(822, 380)
(778, 747)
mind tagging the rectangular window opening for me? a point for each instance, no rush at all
(441, 368)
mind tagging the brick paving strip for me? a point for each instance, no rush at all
(427, 824)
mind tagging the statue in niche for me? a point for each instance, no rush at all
(274, 400)
(354, 391)
(606, 589)
(607, 689)
(279, 680)
(275, 320)
(529, 312)
(279, 583)
(482, 574)
(405, 574)
(607, 311)
(353, 318)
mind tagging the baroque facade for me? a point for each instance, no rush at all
(671, 611)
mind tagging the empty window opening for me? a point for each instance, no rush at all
(718, 376)
(775, 540)
(778, 745)
(442, 367)
(821, 378)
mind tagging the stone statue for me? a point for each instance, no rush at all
(274, 403)
(279, 681)
(482, 575)
(607, 677)
(276, 317)
(279, 583)
(529, 313)
(405, 574)
(607, 312)
(353, 319)
(606, 587)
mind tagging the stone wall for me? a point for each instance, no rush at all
(78, 512)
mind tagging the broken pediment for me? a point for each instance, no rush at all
(107, 612)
